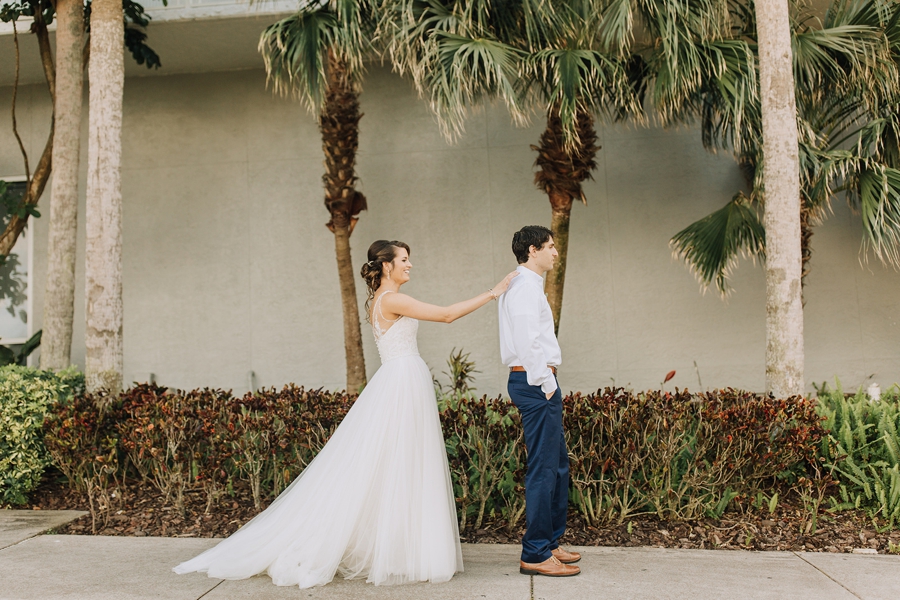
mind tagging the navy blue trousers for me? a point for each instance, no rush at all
(547, 477)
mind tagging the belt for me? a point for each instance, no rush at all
(522, 369)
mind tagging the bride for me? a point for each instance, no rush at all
(377, 501)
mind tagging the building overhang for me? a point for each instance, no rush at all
(190, 36)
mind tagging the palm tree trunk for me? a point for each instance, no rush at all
(561, 212)
(355, 359)
(339, 124)
(103, 268)
(784, 308)
(59, 299)
(562, 170)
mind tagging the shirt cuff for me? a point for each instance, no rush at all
(549, 386)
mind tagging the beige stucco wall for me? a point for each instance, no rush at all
(228, 267)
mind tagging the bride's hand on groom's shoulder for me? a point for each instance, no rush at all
(504, 283)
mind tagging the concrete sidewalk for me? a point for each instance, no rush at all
(51, 567)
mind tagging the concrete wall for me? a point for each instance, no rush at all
(229, 269)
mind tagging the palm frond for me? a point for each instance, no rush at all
(690, 44)
(461, 71)
(530, 54)
(354, 38)
(872, 188)
(580, 80)
(844, 59)
(616, 30)
(876, 194)
(872, 13)
(711, 246)
(295, 51)
(730, 99)
(405, 27)
(892, 31)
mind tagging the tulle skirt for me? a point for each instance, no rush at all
(376, 502)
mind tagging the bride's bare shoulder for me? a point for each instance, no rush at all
(391, 298)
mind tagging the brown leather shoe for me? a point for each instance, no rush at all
(549, 568)
(566, 557)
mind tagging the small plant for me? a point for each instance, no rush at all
(763, 501)
(461, 375)
(812, 493)
(157, 429)
(668, 378)
(254, 426)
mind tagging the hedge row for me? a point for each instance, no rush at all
(675, 455)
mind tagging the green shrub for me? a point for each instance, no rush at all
(25, 395)
(863, 450)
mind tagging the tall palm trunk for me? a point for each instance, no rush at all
(562, 171)
(103, 269)
(59, 299)
(560, 214)
(784, 309)
(339, 124)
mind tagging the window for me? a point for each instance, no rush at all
(15, 272)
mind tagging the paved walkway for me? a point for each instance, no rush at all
(35, 566)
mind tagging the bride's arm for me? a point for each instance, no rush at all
(401, 304)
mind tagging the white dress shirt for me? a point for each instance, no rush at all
(526, 330)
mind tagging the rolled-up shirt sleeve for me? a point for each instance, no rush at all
(524, 314)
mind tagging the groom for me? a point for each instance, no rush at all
(529, 348)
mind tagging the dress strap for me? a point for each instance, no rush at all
(378, 316)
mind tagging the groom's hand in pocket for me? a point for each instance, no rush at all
(550, 395)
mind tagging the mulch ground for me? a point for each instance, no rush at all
(141, 511)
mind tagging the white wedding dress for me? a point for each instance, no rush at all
(376, 502)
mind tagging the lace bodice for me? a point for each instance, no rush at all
(394, 338)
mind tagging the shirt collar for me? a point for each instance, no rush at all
(530, 275)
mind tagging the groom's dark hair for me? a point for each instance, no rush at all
(528, 236)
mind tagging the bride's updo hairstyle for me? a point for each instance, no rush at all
(380, 252)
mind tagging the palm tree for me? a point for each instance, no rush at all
(846, 104)
(778, 109)
(318, 55)
(575, 78)
(59, 308)
(103, 268)
(846, 98)
(534, 56)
